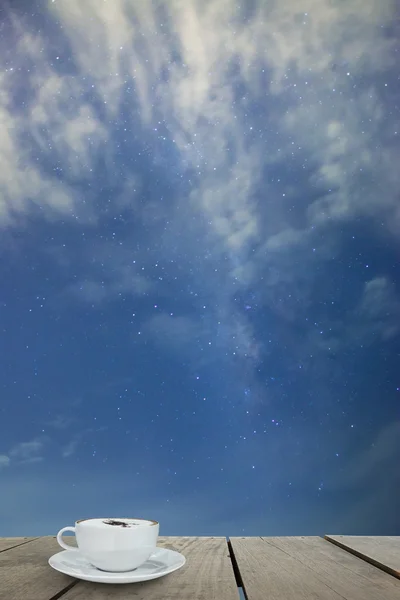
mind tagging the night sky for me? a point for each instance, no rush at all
(199, 265)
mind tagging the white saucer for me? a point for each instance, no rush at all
(160, 563)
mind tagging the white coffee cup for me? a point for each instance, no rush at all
(115, 545)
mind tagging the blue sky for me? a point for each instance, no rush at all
(200, 308)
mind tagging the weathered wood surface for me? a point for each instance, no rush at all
(25, 573)
(381, 551)
(6, 543)
(280, 568)
(298, 568)
(207, 573)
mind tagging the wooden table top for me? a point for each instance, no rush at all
(273, 568)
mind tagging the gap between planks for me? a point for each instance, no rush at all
(16, 544)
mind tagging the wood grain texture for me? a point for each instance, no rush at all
(349, 576)
(381, 551)
(269, 572)
(26, 575)
(207, 574)
(298, 568)
(6, 543)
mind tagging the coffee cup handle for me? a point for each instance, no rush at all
(60, 540)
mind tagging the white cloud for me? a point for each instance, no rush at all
(292, 44)
(62, 123)
(61, 421)
(4, 461)
(379, 308)
(240, 100)
(24, 453)
(27, 452)
(375, 318)
(120, 280)
(21, 181)
(190, 336)
(380, 299)
(70, 448)
(101, 36)
(278, 47)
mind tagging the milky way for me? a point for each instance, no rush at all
(200, 242)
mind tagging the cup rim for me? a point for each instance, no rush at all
(150, 522)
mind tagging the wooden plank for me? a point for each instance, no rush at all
(208, 573)
(25, 573)
(268, 572)
(6, 543)
(381, 551)
(349, 561)
(299, 569)
(349, 576)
